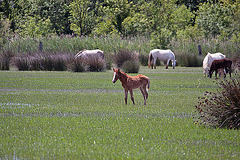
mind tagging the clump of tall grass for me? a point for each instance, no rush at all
(189, 60)
(95, 64)
(41, 61)
(186, 50)
(90, 63)
(5, 59)
(127, 60)
(124, 55)
(143, 59)
(221, 109)
(131, 66)
(76, 65)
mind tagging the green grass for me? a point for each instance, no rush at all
(65, 115)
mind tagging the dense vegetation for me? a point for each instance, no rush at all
(159, 20)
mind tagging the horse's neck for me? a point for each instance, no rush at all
(123, 77)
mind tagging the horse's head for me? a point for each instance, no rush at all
(115, 75)
(174, 63)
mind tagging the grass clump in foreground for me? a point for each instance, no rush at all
(221, 109)
(66, 115)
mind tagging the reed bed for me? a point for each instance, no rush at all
(186, 51)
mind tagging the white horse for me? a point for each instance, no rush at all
(207, 61)
(162, 55)
(86, 53)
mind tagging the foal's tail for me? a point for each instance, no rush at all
(150, 59)
(148, 84)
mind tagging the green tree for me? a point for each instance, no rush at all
(36, 27)
(82, 17)
(114, 12)
(212, 18)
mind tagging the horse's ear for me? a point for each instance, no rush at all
(113, 69)
(118, 70)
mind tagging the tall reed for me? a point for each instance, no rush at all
(183, 49)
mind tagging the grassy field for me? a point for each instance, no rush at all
(65, 115)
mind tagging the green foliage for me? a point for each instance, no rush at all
(214, 18)
(36, 27)
(82, 19)
(221, 109)
(160, 20)
(5, 32)
(161, 39)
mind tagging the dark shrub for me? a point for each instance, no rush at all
(59, 62)
(95, 64)
(131, 66)
(46, 62)
(22, 62)
(76, 65)
(41, 61)
(124, 55)
(221, 109)
(5, 58)
(34, 63)
(108, 61)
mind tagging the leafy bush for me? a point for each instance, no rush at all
(131, 66)
(221, 109)
(124, 55)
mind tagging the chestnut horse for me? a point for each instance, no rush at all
(220, 64)
(129, 83)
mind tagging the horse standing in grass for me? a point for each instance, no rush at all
(162, 55)
(129, 83)
(88, 53)
(220, 64)
(207, 61)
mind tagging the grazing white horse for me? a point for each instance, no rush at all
(162, 55)
(86, 53)
(207, 61)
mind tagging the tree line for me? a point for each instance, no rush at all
(160, 20)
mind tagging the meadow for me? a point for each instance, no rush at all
(66, 115)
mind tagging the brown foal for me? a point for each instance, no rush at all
(129, 83)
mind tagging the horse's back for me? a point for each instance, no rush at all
(85, 53)
(162, 54)
(221, 63)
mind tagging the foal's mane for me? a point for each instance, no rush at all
(123, 73)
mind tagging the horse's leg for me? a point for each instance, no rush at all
(167, 63)
(144, 95)
(216, 72)
(151, 64)
(131, 93)
(223, 70)
(142, 92)
(154, 62)
(126, 95)
(229, 70)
